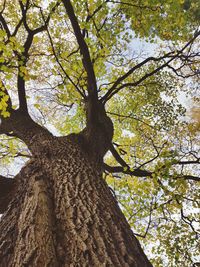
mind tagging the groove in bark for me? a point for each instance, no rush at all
(7, 189)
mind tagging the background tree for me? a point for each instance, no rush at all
(76, 85)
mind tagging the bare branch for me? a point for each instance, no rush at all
(188, 221)
(149, 222)
(171, 56)
(131, 116)
(24, 56)
(24, 10)
(90, 16)
(87, 63)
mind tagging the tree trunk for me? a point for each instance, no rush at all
(63, 214)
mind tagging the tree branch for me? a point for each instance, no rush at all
(143, 173)
(57, 59)
(119, 169)
(87, 63)
(190, 177)
(90, 16)
(24, 10)
(3, 6)
(172, 55)
(24, 56)
(4, 24)
(131, 116)
(125, 168)
(118, 158)
(188, 162)
(148, 224)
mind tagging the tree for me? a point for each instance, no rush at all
(68, 64)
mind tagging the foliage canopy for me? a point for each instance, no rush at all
(146, 63)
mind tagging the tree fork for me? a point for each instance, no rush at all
(63, 213)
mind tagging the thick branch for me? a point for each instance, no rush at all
(87, 63)
(24, 57)
(24, 10)
(119, 169)
(21, 125)
(117, 156)
(4, 24)
(20, 78)
(125, 168)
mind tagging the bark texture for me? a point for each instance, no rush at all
(63, 214)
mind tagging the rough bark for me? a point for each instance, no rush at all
(63, 214)
(7, 188)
